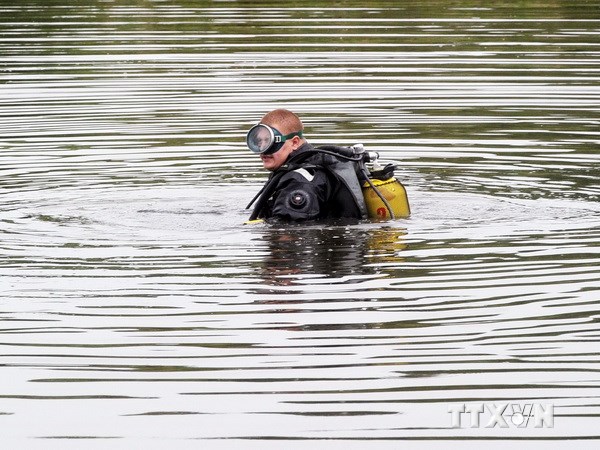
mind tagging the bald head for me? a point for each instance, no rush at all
(283, 120)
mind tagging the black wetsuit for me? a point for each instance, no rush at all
(312, 185)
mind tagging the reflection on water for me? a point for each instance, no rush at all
(137, 308)
(329, 251)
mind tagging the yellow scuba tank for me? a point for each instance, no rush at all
(395, 194)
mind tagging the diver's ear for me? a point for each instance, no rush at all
(297, 142)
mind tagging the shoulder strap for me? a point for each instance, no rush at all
(345, 172)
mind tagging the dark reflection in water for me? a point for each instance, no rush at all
(328, 250)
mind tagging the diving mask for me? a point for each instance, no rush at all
(266, 140)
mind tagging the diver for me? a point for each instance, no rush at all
(304, 184)
(326, 182)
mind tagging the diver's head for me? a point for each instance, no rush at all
(277, 135)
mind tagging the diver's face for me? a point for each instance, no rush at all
(275, 160)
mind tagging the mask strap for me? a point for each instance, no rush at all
(287, 136)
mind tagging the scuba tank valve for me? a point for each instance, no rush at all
(359, 149)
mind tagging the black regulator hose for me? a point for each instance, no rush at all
(262, 189)
(347, 153)
(264, 195)
(379, 194)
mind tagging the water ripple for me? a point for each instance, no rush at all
(136, 303)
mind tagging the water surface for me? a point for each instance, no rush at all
(139, 310)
